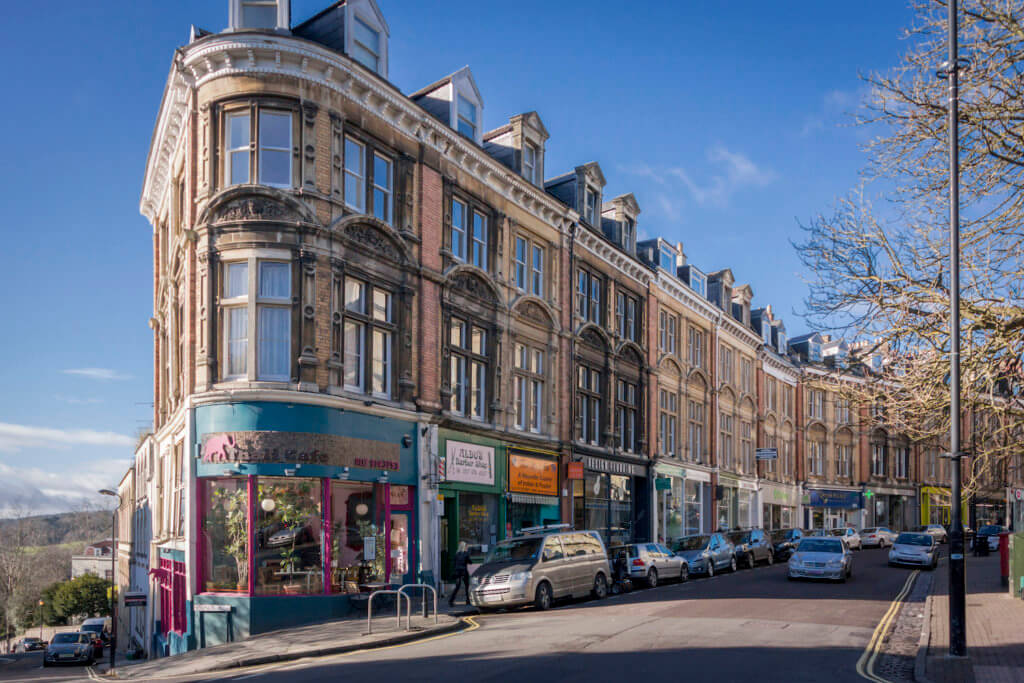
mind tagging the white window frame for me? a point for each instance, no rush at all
(528, 388)
(236, 14)
(359, 177)
(695, 431)
(375, 67)
(530, 167)
(388, 191)
(591, 206)
(460, 120)
(252, 303)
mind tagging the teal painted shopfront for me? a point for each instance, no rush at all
(473, 470)
(300, 510)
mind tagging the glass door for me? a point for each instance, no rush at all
(401, 560)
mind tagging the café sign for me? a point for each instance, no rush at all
(532, 475)
(469, 463)
(299, 448)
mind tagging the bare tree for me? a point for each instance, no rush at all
(882, 275)
(15, 565)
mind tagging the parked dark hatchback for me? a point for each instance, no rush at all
(752, 546)
(785, 541)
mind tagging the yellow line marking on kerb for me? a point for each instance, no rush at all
(866, 663)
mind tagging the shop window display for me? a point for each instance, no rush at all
(693, 507)
(478, 523)
(225, 535)
(288, 536)
(355, 526)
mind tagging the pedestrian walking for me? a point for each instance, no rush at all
(461, 572)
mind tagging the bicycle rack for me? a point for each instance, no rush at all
(408, 621)
(398, 610)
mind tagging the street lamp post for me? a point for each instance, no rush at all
(957, 570)
(41, 603)
(113, 579)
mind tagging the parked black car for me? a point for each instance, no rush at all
(752, 546)
(784, 542)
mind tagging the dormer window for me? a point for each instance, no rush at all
(530, 163)
(766, 332)
(467, 124)
(629, 234)
(590, 208)
(667, 259)
(256, 14)
(366, 45)
(782, 342)
(698, 282)
(814, 352)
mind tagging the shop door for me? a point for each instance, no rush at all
(449, 540)
(402, 561)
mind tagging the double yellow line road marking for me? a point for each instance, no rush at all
(866, 663)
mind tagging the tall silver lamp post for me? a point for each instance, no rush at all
(113, 579)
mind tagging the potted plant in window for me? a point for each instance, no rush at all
(228, 523)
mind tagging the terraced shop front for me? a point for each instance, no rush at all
(300, 510)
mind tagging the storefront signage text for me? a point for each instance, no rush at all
(532, 475)
(469, 463)
(615, 467)
(300, 448)
(834, 499)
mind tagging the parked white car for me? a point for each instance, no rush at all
(877, 537)
(918, 549)
(850, 535)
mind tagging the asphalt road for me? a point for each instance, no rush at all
(753, 625)
(28, 667)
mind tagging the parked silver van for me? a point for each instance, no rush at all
(540, 565)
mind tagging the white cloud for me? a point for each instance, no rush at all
(46, 491)
(78, 401)
(14, 438)
(727, 173)
(97, 373)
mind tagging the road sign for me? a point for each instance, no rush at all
(134, 599)
(767, 453)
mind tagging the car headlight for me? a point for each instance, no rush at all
(794, 560)
(835, 563)
(520, 576)
(474, 580)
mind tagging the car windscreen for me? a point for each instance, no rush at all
(522, 549)
(819, 545)
(869, 530)
(914, 539)
(839, 532)
(65, 638)
(691, 543)
(740, 537)
(94, 628)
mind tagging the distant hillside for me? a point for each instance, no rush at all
(72, 528)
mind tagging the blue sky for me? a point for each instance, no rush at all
(726, 120)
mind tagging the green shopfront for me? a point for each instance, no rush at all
(300, 509)
(472, 487)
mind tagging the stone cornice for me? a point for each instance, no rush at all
(257, 54)
(611, 255)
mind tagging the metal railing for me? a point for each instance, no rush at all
(398, 609)
(426, 587)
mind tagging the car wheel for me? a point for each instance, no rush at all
(771, 559)
(652, 578)
(711, 568)
(842, 579)
(751, 562)
(684, 573)
(732, 564)
(542, 599)
(600, 587)
(789, 577)
(45, 664)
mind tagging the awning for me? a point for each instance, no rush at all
(532, 499)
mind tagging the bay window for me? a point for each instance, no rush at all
(256, 304)
(468, 369)
(528, 380)
(369, 180)
(369, 331)
(260, 153)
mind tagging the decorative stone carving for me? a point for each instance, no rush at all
(533, 312)
(471, 285)
(591, 338)
(374, 240)
(253, 209)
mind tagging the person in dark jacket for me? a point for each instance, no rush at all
(461, 572)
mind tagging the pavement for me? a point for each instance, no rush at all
(751, 625)
(995, 629)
